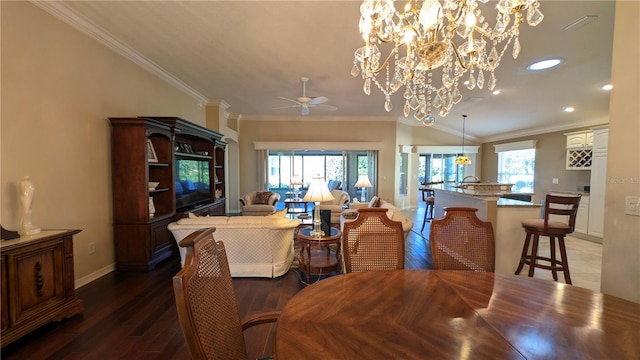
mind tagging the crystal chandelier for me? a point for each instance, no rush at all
(450, 35)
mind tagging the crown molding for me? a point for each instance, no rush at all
(547, 129)
(69, 16)
(318, 118)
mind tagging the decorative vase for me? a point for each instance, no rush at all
(152, 207)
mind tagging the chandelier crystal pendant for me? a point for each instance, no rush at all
(452, 37)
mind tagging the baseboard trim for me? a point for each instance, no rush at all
(591, 238)
(95, 275)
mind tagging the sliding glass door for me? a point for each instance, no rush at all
(333, 165)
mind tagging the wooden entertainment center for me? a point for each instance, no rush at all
(162, 168)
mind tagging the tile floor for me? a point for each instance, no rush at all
(584, 257)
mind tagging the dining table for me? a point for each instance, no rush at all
(445, 314)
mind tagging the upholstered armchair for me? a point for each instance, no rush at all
(340, 198)
(259, 203)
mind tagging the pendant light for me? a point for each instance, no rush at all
(463, 159)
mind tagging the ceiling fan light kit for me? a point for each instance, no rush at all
(452, 36)
(304, 102)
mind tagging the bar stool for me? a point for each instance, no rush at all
(554, 228)
(428, 196)
(430, 202)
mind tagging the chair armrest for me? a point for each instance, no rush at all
(260, 318)
(243, 202)
(273, 199)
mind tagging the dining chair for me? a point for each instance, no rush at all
(559, 220)
(206, 302)
(461, 241)
(372, 242)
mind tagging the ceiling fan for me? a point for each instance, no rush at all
(305, 103)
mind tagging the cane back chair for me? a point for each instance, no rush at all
(372, 242)
(461, 241)
(206, 302)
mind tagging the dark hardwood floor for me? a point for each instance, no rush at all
(133, 315)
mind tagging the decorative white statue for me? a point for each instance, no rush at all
(27, 190)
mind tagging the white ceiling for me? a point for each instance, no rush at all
(250, 53)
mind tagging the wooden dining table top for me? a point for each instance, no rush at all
(441, 314)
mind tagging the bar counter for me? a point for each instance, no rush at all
(505, 215)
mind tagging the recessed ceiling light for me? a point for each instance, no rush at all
(568, 109)
(607, 87)
(496, 92)
(544, 64)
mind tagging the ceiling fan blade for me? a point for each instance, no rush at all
(326, 107)
(304, 110)
(284, 107)
(318, 100)
(284, 98)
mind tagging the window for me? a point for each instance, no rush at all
(404, 159)
(343, 166)
(439, 167)
(516, 165)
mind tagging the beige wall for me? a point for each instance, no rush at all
(621, 243)
(58, 88)
(550, 163)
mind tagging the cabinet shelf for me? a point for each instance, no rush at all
(158, 165)
(193, 156)
(157, 191)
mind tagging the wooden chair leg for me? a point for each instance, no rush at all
(534, 255)
(523, 257)
(565, 263)
(552, 250)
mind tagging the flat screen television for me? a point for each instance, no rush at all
(193, 183)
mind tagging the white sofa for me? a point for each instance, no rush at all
(257, 246)
(393, 212)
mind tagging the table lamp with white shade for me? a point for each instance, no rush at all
(296, 181)
(318, 192)
(363, 182)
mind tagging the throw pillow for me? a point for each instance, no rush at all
(262, 197)
(375, 202)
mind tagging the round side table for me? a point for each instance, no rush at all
(316, 256)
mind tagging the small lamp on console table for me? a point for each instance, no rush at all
(363, 182)
(318, 192)
(295, 182)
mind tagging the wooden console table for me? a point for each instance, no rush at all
(37, 282)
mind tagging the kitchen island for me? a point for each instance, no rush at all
(505, 215)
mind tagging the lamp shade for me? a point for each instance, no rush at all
(363, 181)
(296, 180)
(318, 191)
(462, 160)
